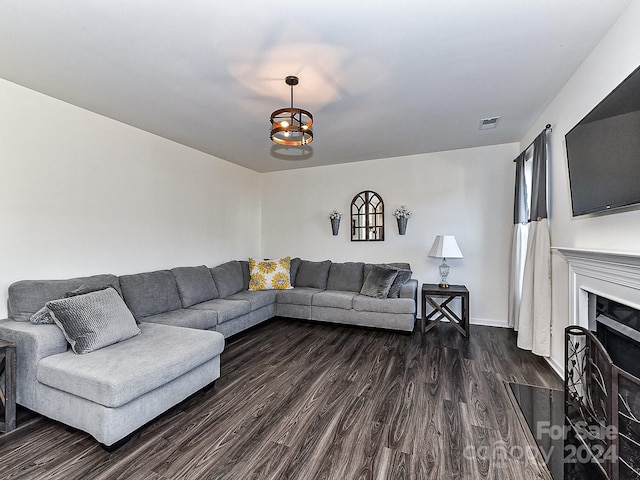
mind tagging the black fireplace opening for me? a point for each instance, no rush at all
(618, 330)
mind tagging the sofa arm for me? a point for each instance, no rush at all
(409, 289)
(33, 342)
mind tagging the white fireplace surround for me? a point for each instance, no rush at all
(614, 275)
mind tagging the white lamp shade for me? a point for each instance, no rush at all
(445, 246)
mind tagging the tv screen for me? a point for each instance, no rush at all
(603, 152)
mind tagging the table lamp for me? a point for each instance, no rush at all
(445, 246)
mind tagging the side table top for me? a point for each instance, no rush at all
(452, 289)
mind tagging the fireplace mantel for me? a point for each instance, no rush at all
(611, 274)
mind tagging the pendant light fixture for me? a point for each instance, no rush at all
(291, 126)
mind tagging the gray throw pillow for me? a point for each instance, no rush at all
(293, 269)
(83, 289)
(42, 317)
(93, 320)
(402, 278)
(378, 281)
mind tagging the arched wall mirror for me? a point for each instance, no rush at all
(367, 217)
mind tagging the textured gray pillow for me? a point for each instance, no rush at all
(313, 274)
(402, 278)
(93, 320)
(378, 281)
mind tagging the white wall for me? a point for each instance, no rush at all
(610, 63)
(467, 193)
(83, 194)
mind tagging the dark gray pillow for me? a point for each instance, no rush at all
(93, 320)
(347, 276)
(313, 274)
(293, 269)
(83, 289)
(246, 273)
(195, 285)
(229, 278)
(402, 278)
(378, 281)
(42, 317)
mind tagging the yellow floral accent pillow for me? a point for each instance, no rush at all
(270, 274)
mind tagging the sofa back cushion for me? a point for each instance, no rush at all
(313, 274)
(195, 285)
(346, 276)
(229, 278)
(150, 293)
(26, 297)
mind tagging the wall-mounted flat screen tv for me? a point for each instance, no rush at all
(603, 152)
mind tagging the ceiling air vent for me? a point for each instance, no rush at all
(487, 123)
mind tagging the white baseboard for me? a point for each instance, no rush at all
(488, 322)
(557, 368)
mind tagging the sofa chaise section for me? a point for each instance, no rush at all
(111, 391)
(115, 390)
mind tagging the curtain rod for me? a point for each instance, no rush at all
(547, 127)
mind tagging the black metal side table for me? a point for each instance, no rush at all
(432, 291)
(7, 386)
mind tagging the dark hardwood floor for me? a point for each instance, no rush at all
(310, 401)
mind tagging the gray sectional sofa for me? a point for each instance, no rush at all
(183, 317)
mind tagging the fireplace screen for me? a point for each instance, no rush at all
(602, 405)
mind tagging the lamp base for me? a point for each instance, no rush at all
(444, 273)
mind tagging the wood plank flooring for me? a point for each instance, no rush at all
(311, 401)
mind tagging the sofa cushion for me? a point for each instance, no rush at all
(378, 282)
(402, 278)
(334, 298)
(195, 284)
(186, 317)
(93, 320)
(297, 296)
(120, 373)
(257, 299)
(346, 276)
(270, 274)
(364, 303)
(26, 297)
(228, 278)
(225, 308)
(150, 293)
(313, 274)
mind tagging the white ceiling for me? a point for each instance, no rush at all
(382, 79)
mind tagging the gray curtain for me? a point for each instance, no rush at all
(532, 311)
